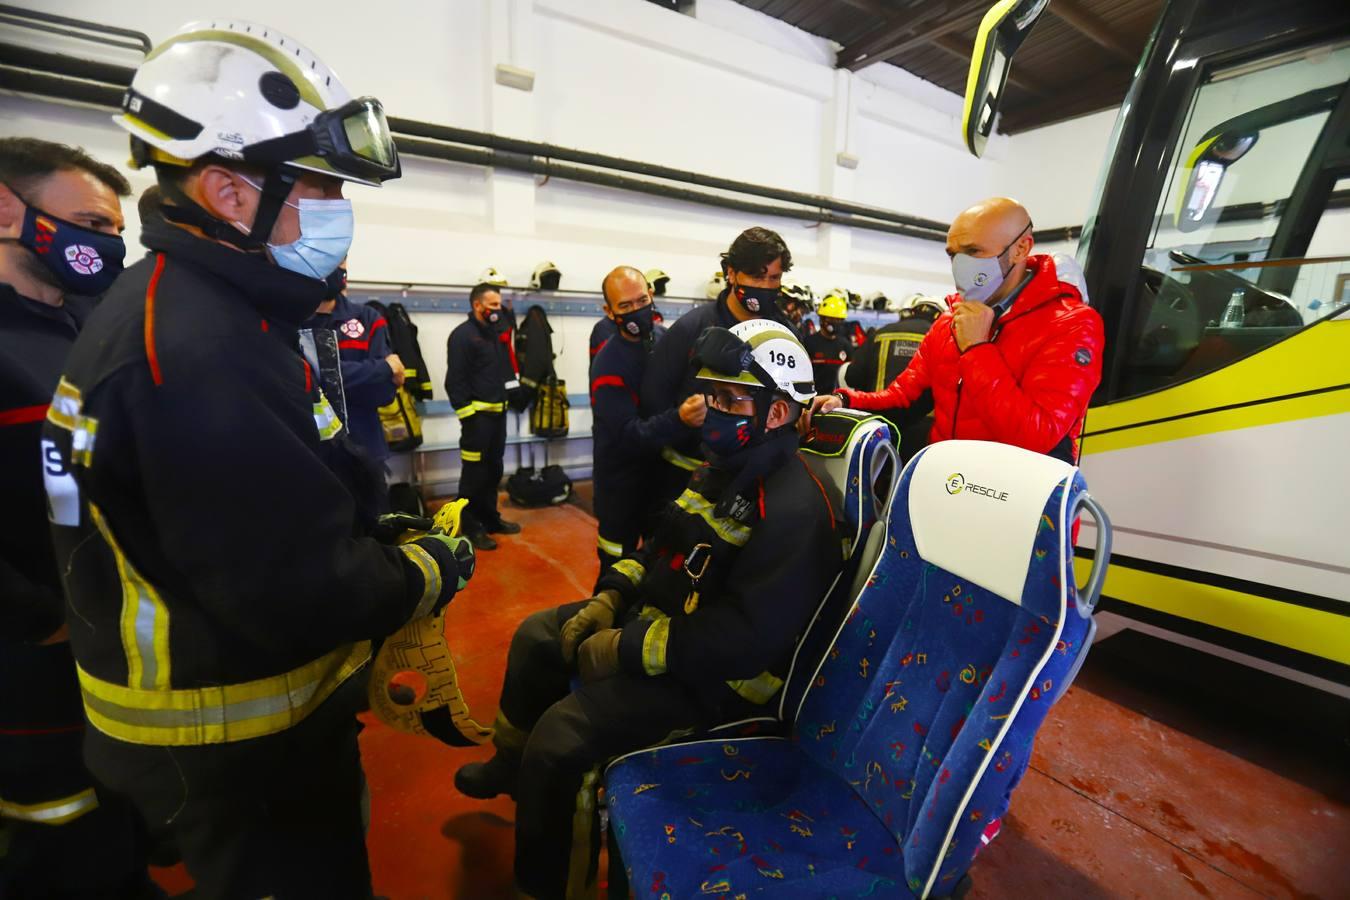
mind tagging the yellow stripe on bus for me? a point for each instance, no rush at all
(1312, 631)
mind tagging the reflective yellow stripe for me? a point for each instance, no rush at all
(579, 885)
(609, 548)
(652, 613)
(760, 689)
(477, 406)
(82, 441)
(679, 460)
(431, 577)
(654, 647)
(631, 569)
(220, 713)
(1315, 631)
(51, 812)
(65, 406)
(145, 618)
(470, 455)
(729, 530)
(326, 419)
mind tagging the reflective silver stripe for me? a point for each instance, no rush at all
(52, 812)
(145, 635)
(431, 578)
(214, 714)
(609, 548)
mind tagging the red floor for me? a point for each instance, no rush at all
(1138, 788)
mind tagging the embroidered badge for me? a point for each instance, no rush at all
(352, 328)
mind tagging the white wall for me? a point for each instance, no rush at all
(730, 92)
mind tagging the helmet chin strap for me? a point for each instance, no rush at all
(276, 187)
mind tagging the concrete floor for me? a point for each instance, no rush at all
(1162, 773)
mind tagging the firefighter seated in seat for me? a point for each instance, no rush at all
(694, 629)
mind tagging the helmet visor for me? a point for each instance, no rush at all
(367, 133)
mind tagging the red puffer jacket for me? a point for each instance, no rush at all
(1029, 386)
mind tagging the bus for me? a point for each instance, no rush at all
(1217, 250)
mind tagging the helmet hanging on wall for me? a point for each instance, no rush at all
(657, 281)
(546, 277)
(491, 276)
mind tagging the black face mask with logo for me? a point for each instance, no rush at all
(759, 301)
(638, 323)
(497, 320)
(83, 261)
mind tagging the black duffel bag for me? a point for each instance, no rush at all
(548, 486)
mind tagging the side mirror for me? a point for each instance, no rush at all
(1207, 164)
(1001, 33)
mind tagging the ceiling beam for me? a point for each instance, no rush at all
(1094, 29)
(894, 28)
(959, 17)
(962, 49)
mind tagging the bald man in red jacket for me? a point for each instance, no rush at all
(1018, 355)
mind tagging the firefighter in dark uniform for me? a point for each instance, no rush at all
(371, 371)
(829, 347)
(885, 355)
(627, 446)
(221, 592)
(477, 377)
(601, 332)
(61, 220)
(754, 266)
(696, 628)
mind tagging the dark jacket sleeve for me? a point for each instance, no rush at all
(370, 381)
(242, 506)
(614, 404)
(667, 369)
(29, 612)
(458, 364)
(773, 588)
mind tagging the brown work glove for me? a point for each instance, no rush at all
(597, 615)
(598, 655)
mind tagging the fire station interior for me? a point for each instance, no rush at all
(542, 143)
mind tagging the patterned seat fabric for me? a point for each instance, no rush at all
(918, 722)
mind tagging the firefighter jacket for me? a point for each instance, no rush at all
(887, 353)
(732, 575)
(218, 586)
(1029, 385)
(669, 378)
(367, 380)
(34, 341)
(828, 353)
(627, 445)
(478, 369)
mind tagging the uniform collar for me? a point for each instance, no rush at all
(71, 313)
(278, 294)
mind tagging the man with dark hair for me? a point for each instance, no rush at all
(754, 265)
(61, 223)
(478, 375)
(627, 445)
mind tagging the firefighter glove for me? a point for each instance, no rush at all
(597, 615)
(598, 655)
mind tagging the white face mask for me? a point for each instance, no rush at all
(978, 278)
(326, 229)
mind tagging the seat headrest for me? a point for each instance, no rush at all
(975, 508)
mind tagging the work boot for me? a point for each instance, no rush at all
(485, 780)
(501, 526)
(481, 540)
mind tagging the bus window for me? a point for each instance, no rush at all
(1213, 292)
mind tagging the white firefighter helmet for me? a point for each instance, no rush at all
(716, 285)
(657, 280)
(799, 292)
(920, 304)
(491, 276)
(242, 91)
(546, 277)
(777, 353)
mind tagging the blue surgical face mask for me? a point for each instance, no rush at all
(326, 228)
(83, 261)
(726, 434)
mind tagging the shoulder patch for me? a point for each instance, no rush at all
(352, 328)
(1083, 356)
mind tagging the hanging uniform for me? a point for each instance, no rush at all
(478, 372)
(220, 594)
(627, 448)
(713, 605)
(367, 380)
(55, 816)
